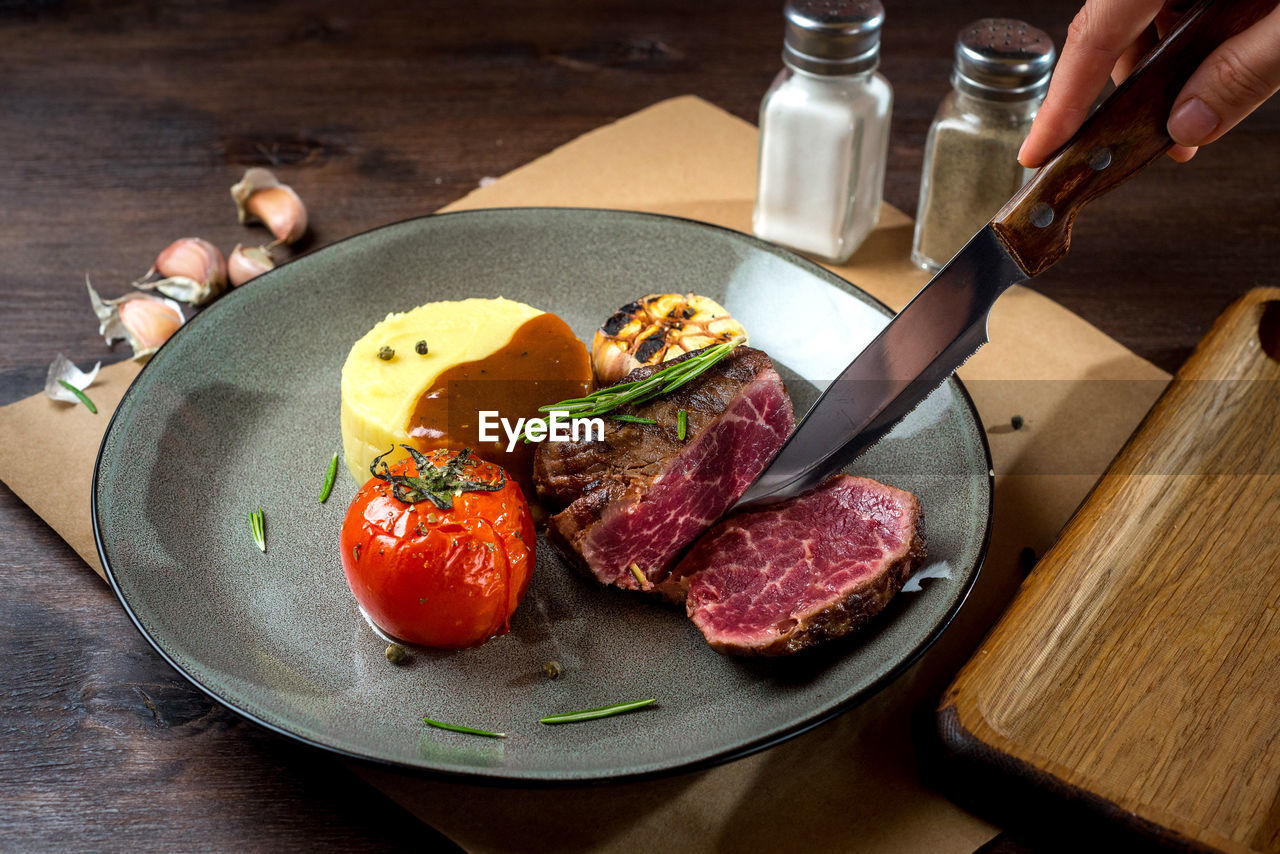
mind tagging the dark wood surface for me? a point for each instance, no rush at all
(122, 124)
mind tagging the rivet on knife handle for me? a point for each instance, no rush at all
(1124, 135)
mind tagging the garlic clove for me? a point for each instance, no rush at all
(259, 196)
(62, 368)
(193, 271)
(145, 321)
(245, 264)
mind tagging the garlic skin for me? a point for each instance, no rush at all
(245, 264)
(145, 321)
(259, 196)
(192, 270)
(62, 368)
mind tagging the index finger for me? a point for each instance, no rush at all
(1100, 32)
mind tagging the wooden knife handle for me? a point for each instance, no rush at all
(1120, 138)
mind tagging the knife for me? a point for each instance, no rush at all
(946, 322)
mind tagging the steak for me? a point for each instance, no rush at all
(816, 567)
(638, 498)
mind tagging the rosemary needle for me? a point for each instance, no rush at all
(592, 714)
(633, 419)
(682, 424)
(466, 729)
(258, 527)
(80, 396)
(329, 478)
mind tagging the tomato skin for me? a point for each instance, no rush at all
(442, 578)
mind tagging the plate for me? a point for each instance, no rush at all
(239, 410)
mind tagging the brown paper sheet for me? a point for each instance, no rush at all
(850, 785)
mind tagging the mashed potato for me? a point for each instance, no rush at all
(379, 395)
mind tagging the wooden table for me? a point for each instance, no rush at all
(123, 123)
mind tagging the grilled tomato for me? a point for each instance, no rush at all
(438, 548)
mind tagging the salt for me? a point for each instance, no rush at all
(824, 131)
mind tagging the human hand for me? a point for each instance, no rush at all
(1110, 36)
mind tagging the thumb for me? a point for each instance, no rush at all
(1236, 78)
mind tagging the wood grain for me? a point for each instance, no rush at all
(1140, 662)
(123, 123)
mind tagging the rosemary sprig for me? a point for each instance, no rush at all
(633, 419)
(592, 714)
(682, 424)
(330, 476)
(80, 396)
(466, 729)
(258, 527)
(662, 381)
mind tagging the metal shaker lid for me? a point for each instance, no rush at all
(1004, 60)
(833, 36)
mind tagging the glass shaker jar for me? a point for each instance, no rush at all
(971, 168)
(824, 131)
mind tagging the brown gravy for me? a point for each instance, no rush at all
(544, 362)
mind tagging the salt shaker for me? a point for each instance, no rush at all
(824, 130)
(971, 168)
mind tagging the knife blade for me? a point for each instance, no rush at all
(939, 329)
(946, 322)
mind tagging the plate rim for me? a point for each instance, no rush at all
(478, 777)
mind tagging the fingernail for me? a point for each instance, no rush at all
(1022, 153)
(1193, 123)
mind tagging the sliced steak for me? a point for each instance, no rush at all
(816, 567)
(640, 496)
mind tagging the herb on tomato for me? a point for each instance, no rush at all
(437, 484)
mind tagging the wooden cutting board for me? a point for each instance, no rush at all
(1138, 669)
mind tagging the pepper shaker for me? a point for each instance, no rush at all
(1001, 74)
(824, 130)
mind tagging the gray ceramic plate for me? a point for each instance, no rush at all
(239, 410)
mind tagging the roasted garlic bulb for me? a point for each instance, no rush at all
(656, 328)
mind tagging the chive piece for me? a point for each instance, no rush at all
(682, 424)
(661, 381)
(258, 527)
(632, 419)
(592, 714)
(330, 476)
(80, 396)
(466, 729)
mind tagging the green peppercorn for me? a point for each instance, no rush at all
(386, 354)
(396, 654)
(421, 348)
(553, 669)
(1016, 422)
